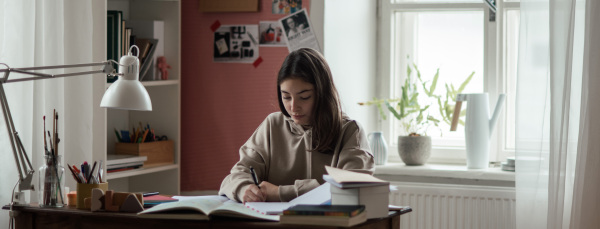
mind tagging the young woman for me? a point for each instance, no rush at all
(290, 149)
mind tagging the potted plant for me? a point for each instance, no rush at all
(416, 115)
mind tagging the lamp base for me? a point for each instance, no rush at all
(19, 198)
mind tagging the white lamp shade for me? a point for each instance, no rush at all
(127, 92)
(128, 95)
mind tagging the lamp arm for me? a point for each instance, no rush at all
(107, 69)
(21, 159)
(25, 170)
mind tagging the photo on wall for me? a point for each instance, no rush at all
(271, 34)
(236, 44)
(286, 6)
(298, 32)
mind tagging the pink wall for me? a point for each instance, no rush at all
(222, 103)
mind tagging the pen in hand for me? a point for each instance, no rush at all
(254, 176)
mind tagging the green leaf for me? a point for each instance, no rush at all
(391, 109)
(402, 110)
(434, 83)
(464, 84)
(381, 112)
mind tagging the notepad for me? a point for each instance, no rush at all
(319, 195)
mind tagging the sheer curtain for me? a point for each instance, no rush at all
(557, 90)
(42, 33)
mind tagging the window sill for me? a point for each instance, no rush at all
(444, 174)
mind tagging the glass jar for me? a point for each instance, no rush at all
(52, 182)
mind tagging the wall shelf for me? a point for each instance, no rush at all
(164, 94)
(155, 83)
(140, 171)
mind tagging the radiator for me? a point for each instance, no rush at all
(455, 206)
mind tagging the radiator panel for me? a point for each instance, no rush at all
(455, 206)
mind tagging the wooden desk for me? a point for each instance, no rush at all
(69, 217)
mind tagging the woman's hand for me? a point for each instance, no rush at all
(271, 191)
(254, 194)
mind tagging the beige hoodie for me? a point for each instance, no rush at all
(279, 153)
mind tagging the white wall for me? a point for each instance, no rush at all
(350, 48)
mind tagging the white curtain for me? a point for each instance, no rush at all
(557, 176)
(43, 33)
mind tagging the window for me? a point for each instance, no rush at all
(458, 38)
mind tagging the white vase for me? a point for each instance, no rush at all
(379, 147)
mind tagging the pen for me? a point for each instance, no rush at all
(254, 176)
(73, 173)
(100, 171)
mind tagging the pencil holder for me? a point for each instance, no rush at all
(51, 182)
(85, 191)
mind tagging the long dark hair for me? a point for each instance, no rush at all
(310, 66)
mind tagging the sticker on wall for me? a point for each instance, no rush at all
(271, 34)
(298, 31)
(286, 6)
(236, 44)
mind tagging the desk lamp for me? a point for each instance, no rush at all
(126, 93)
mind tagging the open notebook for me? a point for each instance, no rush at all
(203, 207)
(317, 196)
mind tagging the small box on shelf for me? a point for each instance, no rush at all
(158, 152)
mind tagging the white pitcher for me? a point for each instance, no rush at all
(379, 147)
(478, 126)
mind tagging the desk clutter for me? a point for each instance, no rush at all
(360, 197)
(141, 134)
(109, 200)
(87, 174)
(51, 180)
(140, 148)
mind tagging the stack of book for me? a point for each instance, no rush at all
(352, 188)
(327, 215)
(122, 162)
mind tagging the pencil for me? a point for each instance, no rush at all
(89, 178)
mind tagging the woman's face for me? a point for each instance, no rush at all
(291, 23)
(298, 98)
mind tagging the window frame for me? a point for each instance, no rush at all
(495, 80)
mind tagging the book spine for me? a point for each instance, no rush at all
(346, 214)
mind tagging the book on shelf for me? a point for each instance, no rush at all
(150, 29)
(318, 196)
(122, 162)
(114, 20)
(123, 40)
(321, 220)
(121, 169)
(146, 62)
(125, 165)
(115, 159)
(203, 208)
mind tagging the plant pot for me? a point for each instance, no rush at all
(414, 150)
